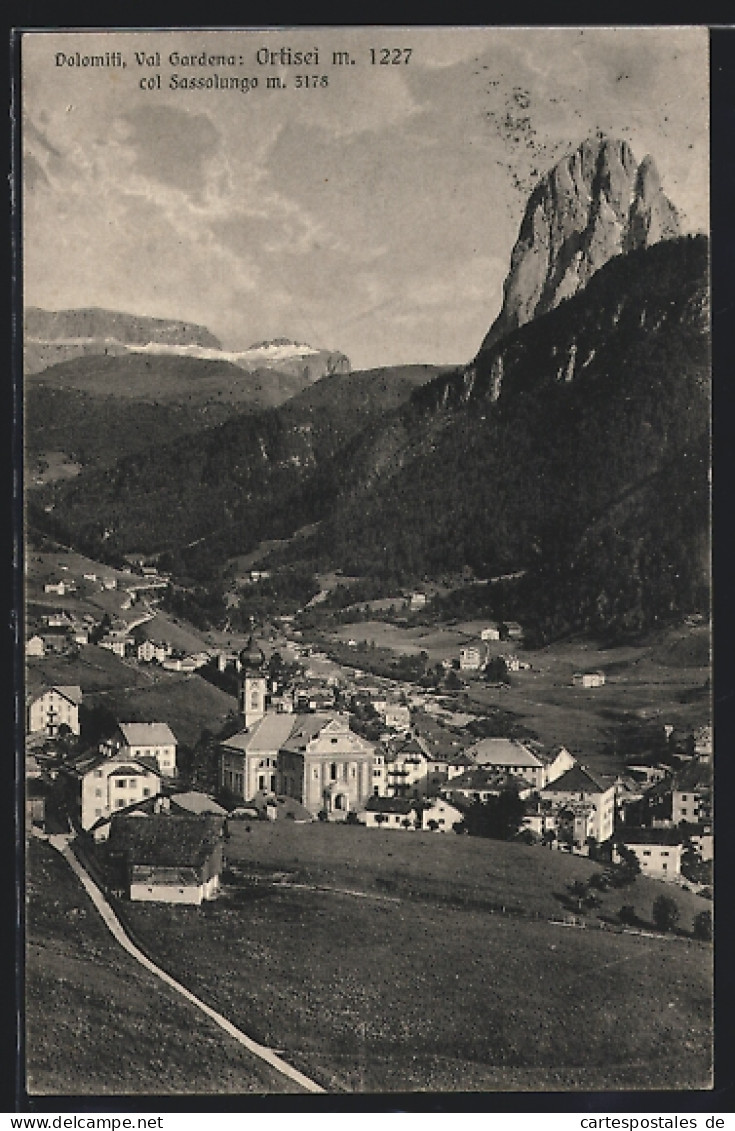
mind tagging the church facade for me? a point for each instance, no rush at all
(313, 758)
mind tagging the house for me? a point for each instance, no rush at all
(415, 767)
(56, 707)
(480, 783)
(438, 815)
(511, 630)
(99, 784)
(58, 587)
(703, 743)
(146, 740)
(658, 851)
(396, 716)
(588, 679)
(582, 805)
(388, 813)
(492, 632)
(471, 658)
(416, 601)
(35, 646)
(691, 794)
(509, 756)
(167, 859)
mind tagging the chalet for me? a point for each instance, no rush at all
(57, 587)
(56, 707)
(416, 601)
(492, 632)
(588, 679)
(511, 630)
(167, 859)
(658, 851)
(146, 740)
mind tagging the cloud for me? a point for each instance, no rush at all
(172, 146)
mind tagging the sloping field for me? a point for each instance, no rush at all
(97, 1023)
(372, 995)
(441, 868)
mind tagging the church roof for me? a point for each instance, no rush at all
(252, 657)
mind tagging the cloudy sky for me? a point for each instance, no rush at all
(375, 215)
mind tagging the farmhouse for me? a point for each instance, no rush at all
(167, 859)
(492, 632)
(691, 794)
(438, 815)
(146, 740)
(54, 708)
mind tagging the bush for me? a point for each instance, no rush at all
(627, 915)
(665, 913)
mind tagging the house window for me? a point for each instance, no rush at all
(98, 793)
(665, 853)
(121, 783)
(333, 772)
(684, 797)
(646, 852)
(316, 773)
(119, 803)
(146, 791)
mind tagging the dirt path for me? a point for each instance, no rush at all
(61, 844)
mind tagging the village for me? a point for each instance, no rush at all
(311, 739)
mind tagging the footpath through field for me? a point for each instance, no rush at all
(61, 844)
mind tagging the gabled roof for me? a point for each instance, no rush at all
(198, 803)
(165, 839)
(147, 734)
(72, 692)
(503, 752)
(576, 780)
(268, 733)
(308, 727)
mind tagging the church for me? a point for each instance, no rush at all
(314, 758)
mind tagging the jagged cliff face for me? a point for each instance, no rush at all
(595, 204)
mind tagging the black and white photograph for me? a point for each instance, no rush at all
(366, 484)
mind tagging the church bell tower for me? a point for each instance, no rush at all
(252, 683)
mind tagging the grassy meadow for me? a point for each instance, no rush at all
(421, 983)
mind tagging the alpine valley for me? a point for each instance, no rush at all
(569, 455)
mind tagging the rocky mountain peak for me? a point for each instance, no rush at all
(596, 203)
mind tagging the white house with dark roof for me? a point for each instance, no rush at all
(589, 802)
(101, 784)
(146, 740)
(658, 851)
(57, 706)
(479, 783)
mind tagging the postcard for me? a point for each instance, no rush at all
(366, 387)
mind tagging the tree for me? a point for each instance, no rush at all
(578, 892)
(380, 818)
(665, 912)
(703, 926)
(548, 837)
(627, 915)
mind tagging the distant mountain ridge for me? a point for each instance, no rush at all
(53, 337)
(596, 203)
